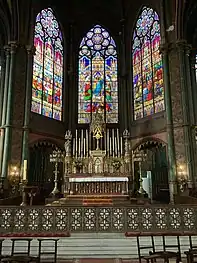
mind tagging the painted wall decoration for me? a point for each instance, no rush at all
(47, 66)
(97, 76)
(148, 86)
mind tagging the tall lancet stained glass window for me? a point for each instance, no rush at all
(148, 87)
(47, 66)
(98, 85)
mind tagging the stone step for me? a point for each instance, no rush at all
(98, 245)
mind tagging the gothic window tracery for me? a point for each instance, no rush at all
(97, 76)
(47, 66)
(148, 87)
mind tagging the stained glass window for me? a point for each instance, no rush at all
(148, 88)
(47, 66)
(98, 85)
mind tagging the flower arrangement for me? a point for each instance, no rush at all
(78, 163)
(116, 163)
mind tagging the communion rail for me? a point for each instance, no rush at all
(41, 219)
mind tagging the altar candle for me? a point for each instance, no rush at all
(76, 143)
(113, 140)
(118, 146)
(25, 170)
(82, 146)
(73, 146)
(108, 142)
(87, 141)
(111, 146)
(121, 149)
(115, 146)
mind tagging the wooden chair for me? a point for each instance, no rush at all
(1, 245)
(151, 247)
(163, 254)
(54, 252)
(20, 256)
(191, 254)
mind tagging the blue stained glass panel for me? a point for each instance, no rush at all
(97, 79)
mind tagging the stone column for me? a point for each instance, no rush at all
(25, 149)
(192, 63)
(187, 108)
(169, 124)
(8, 123)
(2, 81)
(4, 102)
(192, 93)
(123, 105)
(72, 91)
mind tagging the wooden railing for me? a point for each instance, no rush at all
(47, 219)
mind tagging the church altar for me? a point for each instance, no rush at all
(97, 160)
(98, 185)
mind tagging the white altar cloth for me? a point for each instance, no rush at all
(98, 179)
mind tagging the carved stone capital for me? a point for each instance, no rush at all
(13, 46)
(7, 50)
(31, 50)
(164, 48)
(183, 46)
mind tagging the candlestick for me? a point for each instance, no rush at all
(116, 147)
(76, 142)
(121, 146)
(25, 170)
(87, 141)
(111, 152)
(73, 146)
(82, 146)
(118, 142)
(108, 141)
(113, 144)
(105, 141)
(79, 147)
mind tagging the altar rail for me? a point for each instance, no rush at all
(97, 219)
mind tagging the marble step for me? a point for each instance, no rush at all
(98, 245)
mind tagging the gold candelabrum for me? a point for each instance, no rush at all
(182, 178)
(23, 185)
(56, 157)
(14, 179)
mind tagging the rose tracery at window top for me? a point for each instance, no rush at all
(47, 66)
(98, 86)
(148, 87)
